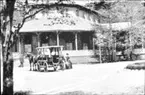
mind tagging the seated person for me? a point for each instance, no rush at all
(55, 58)
(67, 56)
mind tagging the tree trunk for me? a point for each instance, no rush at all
(7, 47)
(114, 50)
(1, 61)
(7, 72)
(100, 54)
(111, 38)
(1, 58)
(142, 39)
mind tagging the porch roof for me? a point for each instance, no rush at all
(117, 26)
(57, 24)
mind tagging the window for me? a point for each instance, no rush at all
(67, 40)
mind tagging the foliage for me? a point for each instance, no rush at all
(131, 12)
(136, 66)
(122, 11)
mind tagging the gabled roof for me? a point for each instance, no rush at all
(54, 24)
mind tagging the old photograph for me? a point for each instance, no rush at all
(72, 47)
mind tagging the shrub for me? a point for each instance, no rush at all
(136, 66)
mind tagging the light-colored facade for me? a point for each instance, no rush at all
(74, 29)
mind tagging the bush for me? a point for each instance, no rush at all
(136, 66)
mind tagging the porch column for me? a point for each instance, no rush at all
(94, 46)
(93, 43)
(1, 54)
(57, 34)
(34, 43)
(21, 44)
(39, 39)
(100, 51)
(76, 40)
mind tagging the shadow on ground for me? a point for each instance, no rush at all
(75, 93)
(62, 93)
(23, 93)
(136, 91)
(131, 91)
(136, 66)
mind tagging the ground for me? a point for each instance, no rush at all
(83, 79)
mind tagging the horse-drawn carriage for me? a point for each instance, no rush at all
(51, 57)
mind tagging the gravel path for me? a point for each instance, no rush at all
(83, 79)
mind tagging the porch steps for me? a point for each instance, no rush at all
(84, 60)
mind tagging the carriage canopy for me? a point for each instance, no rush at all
(49, 50)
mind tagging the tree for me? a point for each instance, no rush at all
(132, 12)
(9, 35)
(105, 9)
(123, 11)
(6, 35)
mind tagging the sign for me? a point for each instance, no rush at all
(28, 48)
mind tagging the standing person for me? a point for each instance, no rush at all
(68, 60)
(21, 60)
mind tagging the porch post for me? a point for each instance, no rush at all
(94, 46)
(76, 40)
(100, 51)
(57, 34)
(21, 44)
(39, 40)
(1, 54)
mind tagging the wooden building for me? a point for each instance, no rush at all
(71, 26)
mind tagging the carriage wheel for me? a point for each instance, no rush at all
(55, 67)
(45, 69)
(38, 68)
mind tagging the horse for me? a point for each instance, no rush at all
(32, 60)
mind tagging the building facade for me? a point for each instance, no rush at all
(71, 27)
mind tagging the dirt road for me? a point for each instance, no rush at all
(107, 78)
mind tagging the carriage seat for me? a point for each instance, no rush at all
(55, 58)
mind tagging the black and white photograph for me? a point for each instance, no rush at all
(72, 47)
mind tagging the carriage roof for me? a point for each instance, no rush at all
(48, 47)
(47, 50)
